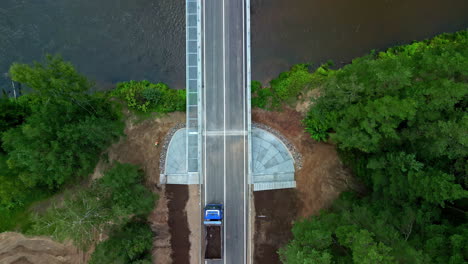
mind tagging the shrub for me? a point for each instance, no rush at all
(12, 114)
(110, 202)
(130, 244)
(123, 185)
(261, 96)
(288, 86)
(319, 124)
(144, 96)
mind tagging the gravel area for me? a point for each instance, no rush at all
(294, 152)
(165, 144)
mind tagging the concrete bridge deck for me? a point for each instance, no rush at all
(218, 135)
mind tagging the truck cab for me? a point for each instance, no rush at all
(213, 214)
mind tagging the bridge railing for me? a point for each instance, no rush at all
(193, 77)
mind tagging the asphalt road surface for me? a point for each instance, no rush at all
(225, 143)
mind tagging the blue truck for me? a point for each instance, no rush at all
(213, 222)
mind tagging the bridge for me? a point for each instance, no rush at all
(226, 119)
(219, 148)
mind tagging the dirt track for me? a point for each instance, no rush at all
(178, 225)
(275, 211)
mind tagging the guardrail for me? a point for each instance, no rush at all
(193, 83)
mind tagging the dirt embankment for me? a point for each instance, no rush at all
(18, 249)
(178, 197)
(138, 147)
(319, 182)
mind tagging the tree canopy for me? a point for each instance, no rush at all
(129, 245)
(400, 123)
(66, 130)
(109, 203)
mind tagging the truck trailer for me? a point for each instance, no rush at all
(213, 222)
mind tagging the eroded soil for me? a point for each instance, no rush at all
(16, 248)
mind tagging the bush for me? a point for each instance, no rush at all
(67, 129)
(261, 97)
(319, 123)
(130, 244)
(15, 196)
(123, 185)
(110, 202)
(288, 86)
(12, 114)
(144, 96)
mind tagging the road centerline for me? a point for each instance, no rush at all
(224, 100)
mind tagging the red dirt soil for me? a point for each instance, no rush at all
(178, 225)
(275, 212)
(319, 182)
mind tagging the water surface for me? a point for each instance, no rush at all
(286, 32)
(118, 40)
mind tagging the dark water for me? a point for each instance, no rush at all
(286, 32)
(117, 40)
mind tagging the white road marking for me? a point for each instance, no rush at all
(204, 105)
(224, 98)
(249, 121)
(204, 87)
(225, 133)
(243, 123)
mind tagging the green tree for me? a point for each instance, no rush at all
(130, 244)
(67, 129)
(363, 230)
(54, 80)
(399, 120)
(123, 185)
(109, 203)
(12, 114)
(402, 113)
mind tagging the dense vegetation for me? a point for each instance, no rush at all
(288, 86)
(44, 148)
(130, 244)
(144, 96)
(51, 136)
(109, 203)
(399, 120)
(13, 113)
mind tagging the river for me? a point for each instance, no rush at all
(117, 40)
